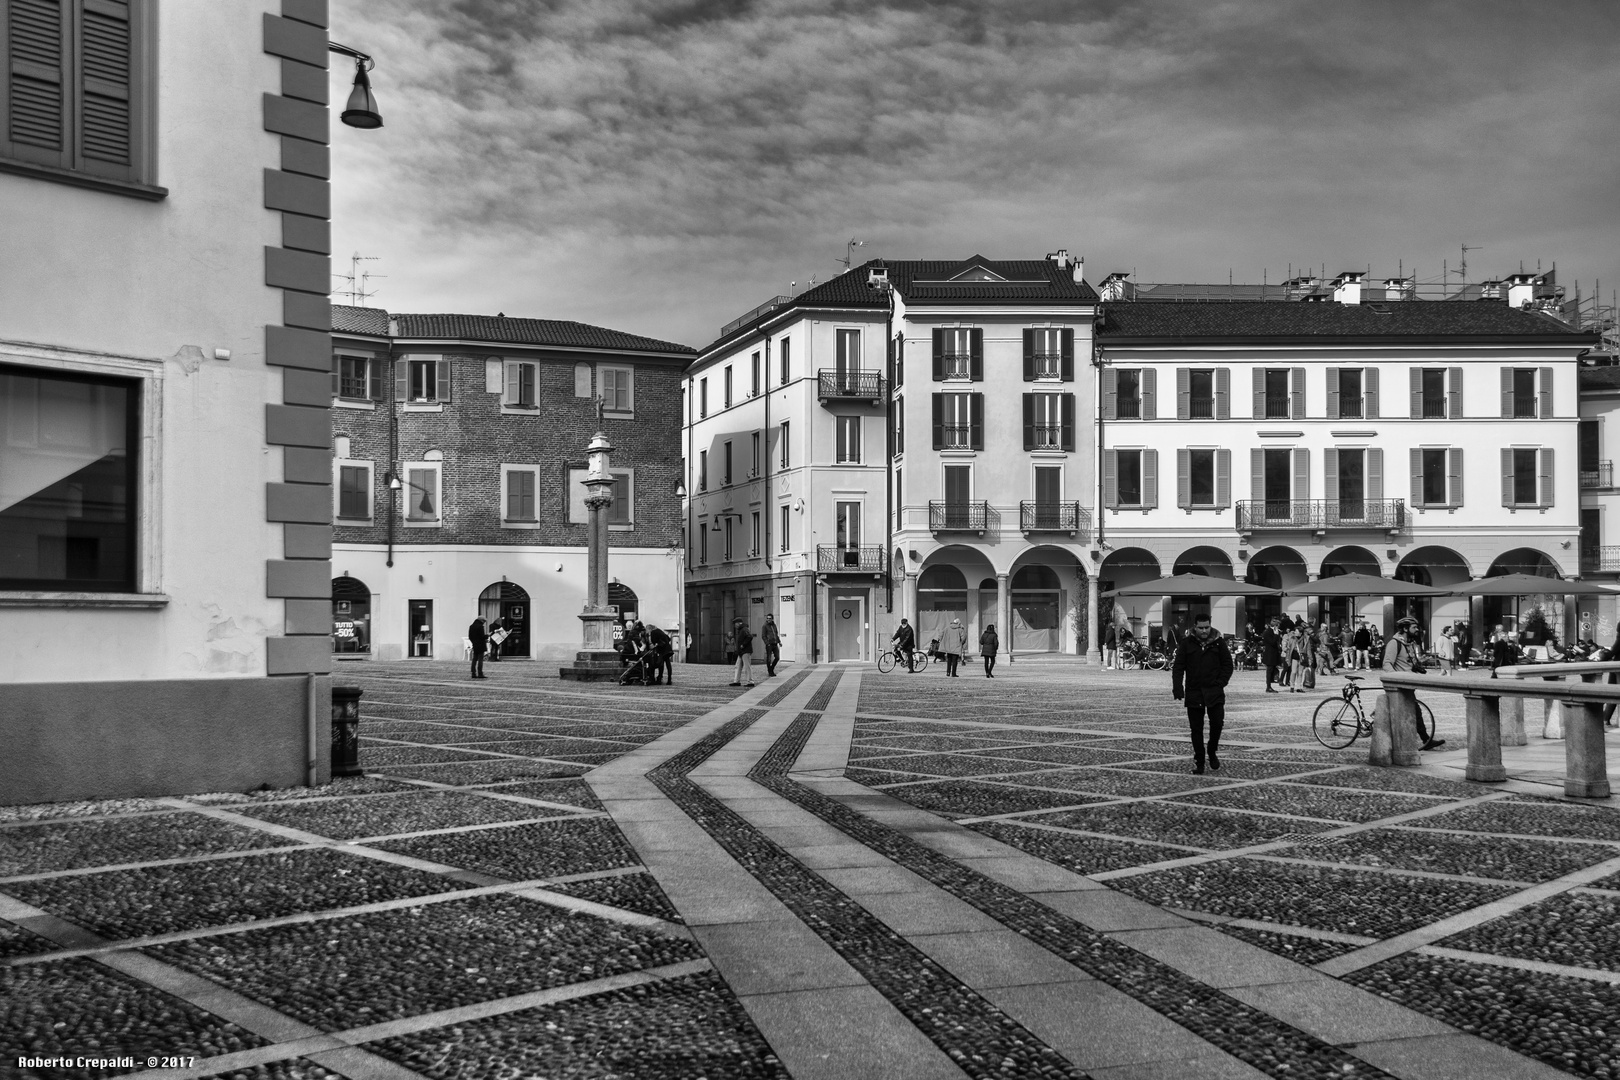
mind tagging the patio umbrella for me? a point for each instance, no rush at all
(1354, 585)
(1528, 585)
(1192, 585)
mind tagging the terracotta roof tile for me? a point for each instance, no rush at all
(1297, 319)
(498, 330)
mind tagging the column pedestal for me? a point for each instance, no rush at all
(598, 661)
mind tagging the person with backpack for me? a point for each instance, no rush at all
(1403, 654)
(989, 645)
(742, 640)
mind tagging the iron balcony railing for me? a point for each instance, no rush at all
(1600, 477)
(1065, 517)
(1386, 514)
(846, 385)
(844, 559)
(1599, 560)
(971, 516)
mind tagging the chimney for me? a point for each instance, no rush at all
(1060, 256)
(1116, 287)
(1347, 287)
(1521, 290)
(1080, 270)
(1491, 290)
(877, 277)
(1398, 288)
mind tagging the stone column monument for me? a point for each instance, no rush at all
(598, 660)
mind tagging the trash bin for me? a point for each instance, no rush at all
(346, 731)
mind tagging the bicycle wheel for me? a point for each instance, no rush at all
(919, 661)
(886, 662)
(1335, 723)
(1158, 662)
(1425, 719)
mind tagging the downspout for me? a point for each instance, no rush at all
(1097, 465)
(393, 455)
(765, 459)
(687, 628)
(311, 732)
(893, 353)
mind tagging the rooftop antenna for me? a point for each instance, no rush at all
(849, 251)
(1462, 267)
(356, 280)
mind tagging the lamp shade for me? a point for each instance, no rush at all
(361, 111)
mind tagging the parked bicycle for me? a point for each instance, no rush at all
(1133, 654)
(1340, 721)
(892, 658)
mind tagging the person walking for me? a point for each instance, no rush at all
(989, 645)
(772, 639)
(905, 642)
(1363, 645)
(955, 646)
(499, 630)
(1465, 644)
(1271, 653)
(1294, 655)
(1110, 646)
(1502, 647)
(742, 640)
(479, 638)
(1202, 668)
(1401, 654)
(1324, 651)
(1445, 648)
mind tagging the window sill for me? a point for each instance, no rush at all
(148, 192)
(1049, 451)
(424, 406)
(353, 523)
(424, 524)
(50, 599)
(620, 528)
(520, 525)
(348, 403)
(519, 410)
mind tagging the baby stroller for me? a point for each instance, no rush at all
(933, 650)
(638, 669)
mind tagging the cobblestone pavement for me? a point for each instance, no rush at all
(838, 873)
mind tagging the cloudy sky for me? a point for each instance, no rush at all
(661, 166)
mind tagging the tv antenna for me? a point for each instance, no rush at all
(1462, 267)
(357, 281)
(849, 252)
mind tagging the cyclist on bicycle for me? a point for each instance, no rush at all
(905, 642)
(1199, 676)
(1401, 654)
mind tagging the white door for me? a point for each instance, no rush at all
(848, 627)
(786, 622)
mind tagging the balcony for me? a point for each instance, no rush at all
(838, 559)
(1600, 560)
(1067, 517)
(1320, 515)
(973, 517)
(1600, 477)
(862, 386)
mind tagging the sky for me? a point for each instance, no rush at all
(662, 166)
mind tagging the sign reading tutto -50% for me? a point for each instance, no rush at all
(87, 1062)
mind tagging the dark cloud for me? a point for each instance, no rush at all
(661, 165)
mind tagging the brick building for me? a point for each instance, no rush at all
(459, 442)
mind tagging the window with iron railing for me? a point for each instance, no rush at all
(958, 436)
(1048, 436)
(1434, 393)
(1048, 365)
(1201, 393)
(1278, 400)
(1128, 393)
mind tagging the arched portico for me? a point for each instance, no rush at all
(1205, 561)
(1047, 602)
(1143, 615)
(1277, 567)
(506, 601)
(1350, 559)
(351, 615)
(949, 587)
(1442, 568)
(1534, 617)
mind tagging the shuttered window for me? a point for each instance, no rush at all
(76, 93)
(421, 380)
(1203, 479)
(1527, 477)
(1436, 476)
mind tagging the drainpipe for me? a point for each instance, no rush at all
(312, 757)
(393, 458)
(765, 460)
(1097, 363)
(888, 461)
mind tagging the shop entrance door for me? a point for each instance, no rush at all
(419, 630)
(848, 627)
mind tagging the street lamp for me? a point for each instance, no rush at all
(361, 111)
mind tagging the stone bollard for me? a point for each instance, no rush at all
(1380, 751)
(346, 731)
(1586, 769)
(1403, 736)
(1512, 711)
(1484, 739)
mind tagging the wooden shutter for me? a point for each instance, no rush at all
(337, 375)
(1029, 355)
(1223, 393)
(1417, 392)
(1332, 393)
(1150, 479)
(511, 388)
(1507, 392)
(1066, 343)
(939, 421)
(1259, 393)
(1296, 387)
(1029, 421)
(939, 354)
(402, 378)
(105, 114)
(1257, 474)
(1302, 475)
(37, 81)
(1148, 390)
(1454, 476)
(1110, 478)
(1369, 393)
(1330, 474)
(976, 345)
(1544, 475)
(1110, 393)
(1507, 474)
(1375, 472)
(1067, 430)
(443, 368)
(1184, 479)
(1544, 389)
(976, 421)
(1183, 394)
(1454, 405)
(1415, 470)
(1223, 479)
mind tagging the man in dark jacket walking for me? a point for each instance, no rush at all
(1271, 654)
(479, 638)
(773, 644)
(1202, 668)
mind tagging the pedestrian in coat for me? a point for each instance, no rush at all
(1445, 647)
(1363, 646)
(955, 647)
(989, 644)
(1324, 651)
(1502, 647)
(1271, 654)
(742, 640)
(1202, 668)
(1110, 646)
(479, 638)
(772, 639)
(663, 652)
(1307, 655)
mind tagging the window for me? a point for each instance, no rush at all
(522, 486)
(1277, 399)
(1049, 497)
(754, 392)
(897, 361)
(1128, 394)
(423, 380)
(582, 380)
(784, 436)
(1129, 478)
(703, 542)
(1201, 477)
(1044, 347)
(1349, 393)
(621, 512)
(899, 498)
(1346, 479)
(847, 355)
(725, 464)
(1437, 477)
(703, 470)
(521, 380)
(787, 367)
(728, 387)
(958, 421)
(1048, 421)
(1527, 392)
(849, 528)
(355, 379)
(958, 353)
(1590, 448)
(703, 397)
(1527, 477)
(618, 388)
(1524, 392)
(79, 92)
(756, 537)
(353, 490)
(1433, 389)
(727, 552)
(68, 507)
(899, 426)
(422, 493)
(849, 439)
(787, 522)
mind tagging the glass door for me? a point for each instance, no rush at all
(849, 534)
(419, 631)
(958, 494)
(1048, 497)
